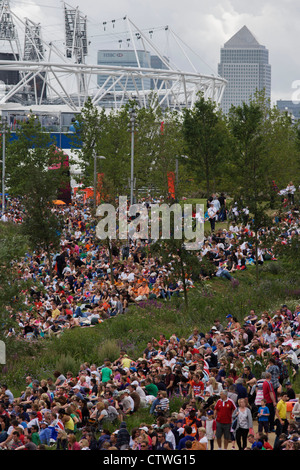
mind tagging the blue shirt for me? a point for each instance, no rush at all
(265, 415)
(181, 444)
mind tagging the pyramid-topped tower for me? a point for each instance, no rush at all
(243, 38)
(244, 63)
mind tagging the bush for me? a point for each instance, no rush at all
(66, 363)
(274, 268)
(109, 349)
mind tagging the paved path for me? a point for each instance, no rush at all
(271, 437)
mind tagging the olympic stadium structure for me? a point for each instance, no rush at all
(54, 82)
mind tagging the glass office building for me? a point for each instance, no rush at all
(123, 58)
(290, 107)
(244, 63)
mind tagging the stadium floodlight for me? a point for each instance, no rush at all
(33, 46)
(76, 34)
(8, 30)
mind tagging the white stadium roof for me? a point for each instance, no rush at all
(64, 80)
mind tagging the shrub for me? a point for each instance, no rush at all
(65, 363)
(109, 349)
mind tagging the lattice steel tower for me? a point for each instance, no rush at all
(8, 31)
(76, 38)
(33, 46)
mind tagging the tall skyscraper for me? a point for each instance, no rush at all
(244, 63)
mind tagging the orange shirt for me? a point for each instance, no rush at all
(143, 290)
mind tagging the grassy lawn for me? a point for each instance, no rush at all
(214, 298)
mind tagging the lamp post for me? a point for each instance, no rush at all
(3, 163)
(132, 127)
(176, 178)
(95, 174)
(177, 173)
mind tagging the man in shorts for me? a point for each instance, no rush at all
(223, 410)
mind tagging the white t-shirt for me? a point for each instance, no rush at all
(140, 391)
(12, 428)
(216, 204)
(209, 423)
(212, 391)
(211, 212)
(204, 441)
(9, 395)
(77, 234)
(171, 438)
(33, 422)
(291, 189)
(235, 210)
(127, 403)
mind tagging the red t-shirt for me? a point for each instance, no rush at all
(198, 388)
(224, 411)
(267, 388)
(267, 446)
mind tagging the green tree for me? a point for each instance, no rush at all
(249, 167)
(13, 246)
(280, 136)
(158, 143)
(35, 173)
(174, 252)
(102, 133)
(206, 138)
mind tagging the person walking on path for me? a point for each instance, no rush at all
(263, 417)
(281, 416)
(244, 423)
(269, 396)
(223, 411)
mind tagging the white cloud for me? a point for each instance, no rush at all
(204, 26)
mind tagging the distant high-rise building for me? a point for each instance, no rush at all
(125, 58)
(128, 58)
(244, 63)
(289, 107)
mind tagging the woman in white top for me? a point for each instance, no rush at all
(169, 360)
(212, 391)
(203, 438)
(244, 423)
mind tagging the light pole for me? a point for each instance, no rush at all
(3, 163)
(176, 179)
(132, 128)
(177, 173)
(95, 174)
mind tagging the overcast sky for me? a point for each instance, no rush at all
(202, 26)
